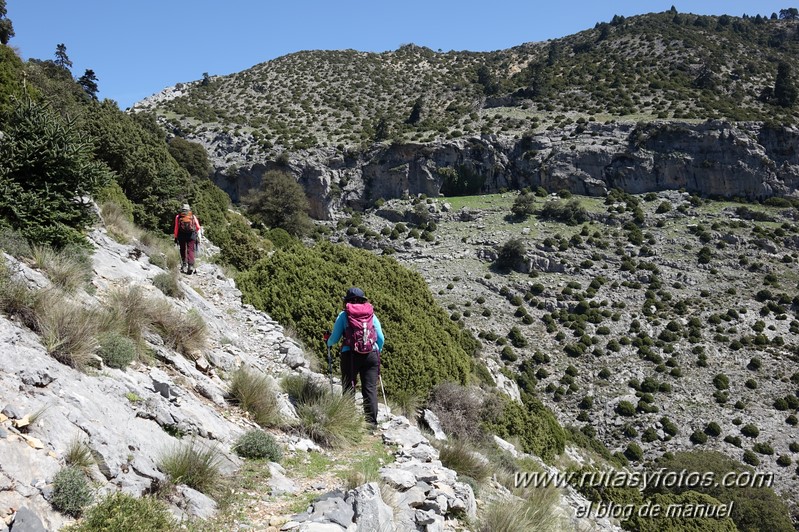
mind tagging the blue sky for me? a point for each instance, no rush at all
(138, 48)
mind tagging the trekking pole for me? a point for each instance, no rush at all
(380, 378)
(329, 362)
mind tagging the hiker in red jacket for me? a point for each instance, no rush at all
(360, 352)
(187, 235)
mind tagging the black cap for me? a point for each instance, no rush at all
(354, 293)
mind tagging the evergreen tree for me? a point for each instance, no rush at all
(280, 202)
(89, 83)
(416, 111)
(6, 27)
(61, 57)
(47, 176)
(785, 92)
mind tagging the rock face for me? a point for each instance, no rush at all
(750, 160)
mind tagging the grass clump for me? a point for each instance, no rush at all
(79, 455)
(127, 312)
(301, 389)
(121, 512)
(117, 351)
(68, 269)
(258, 444)
(194, 465)
(331, 420)
(186, 333)
(533, 511)
(71, 492)
(459, 457)
(253, 393)
(68, 331)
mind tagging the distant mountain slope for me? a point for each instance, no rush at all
(656, 66)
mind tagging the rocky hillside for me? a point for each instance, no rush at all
(646, 103)
(118, 424)
(656, 323)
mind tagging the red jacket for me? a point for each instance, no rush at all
(193, 219)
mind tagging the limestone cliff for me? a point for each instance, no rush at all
(748, 160)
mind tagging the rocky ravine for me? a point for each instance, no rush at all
(179, 395)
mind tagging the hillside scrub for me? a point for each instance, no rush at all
(302, 288)
(48, 175)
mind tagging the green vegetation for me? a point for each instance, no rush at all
(121, 512)
(71, 491)
(423, 346)
(329, 419)
(193, 464)
(253, 392)
(258, 444)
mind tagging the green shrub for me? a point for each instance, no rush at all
(253, 393)
(625, 408)
(167, 283)
(193, 464)
(531, 422)
(258, 444)
(47, 168)
(117, 351)
(121, 512)
(750, 431)
(753, 508)
(511, 253)
(634, 452)
(424, 348)
(71, 491)
(698, 437)
(721, 382)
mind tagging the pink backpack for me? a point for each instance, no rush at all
(360, 333)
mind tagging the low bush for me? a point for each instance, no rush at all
(121, 512)
(458, 408)
(167, 283)
(71, 492)
(258, 444)
(117, 351)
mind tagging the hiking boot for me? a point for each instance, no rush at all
(183, 267)
(190, 270)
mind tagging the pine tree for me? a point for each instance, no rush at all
(785, 92)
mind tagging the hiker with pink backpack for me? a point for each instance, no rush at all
(360, 350)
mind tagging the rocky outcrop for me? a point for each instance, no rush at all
(713, 158)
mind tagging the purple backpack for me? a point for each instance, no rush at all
(359, 334)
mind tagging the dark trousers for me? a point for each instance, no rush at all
(367, 367)
(187, 251)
